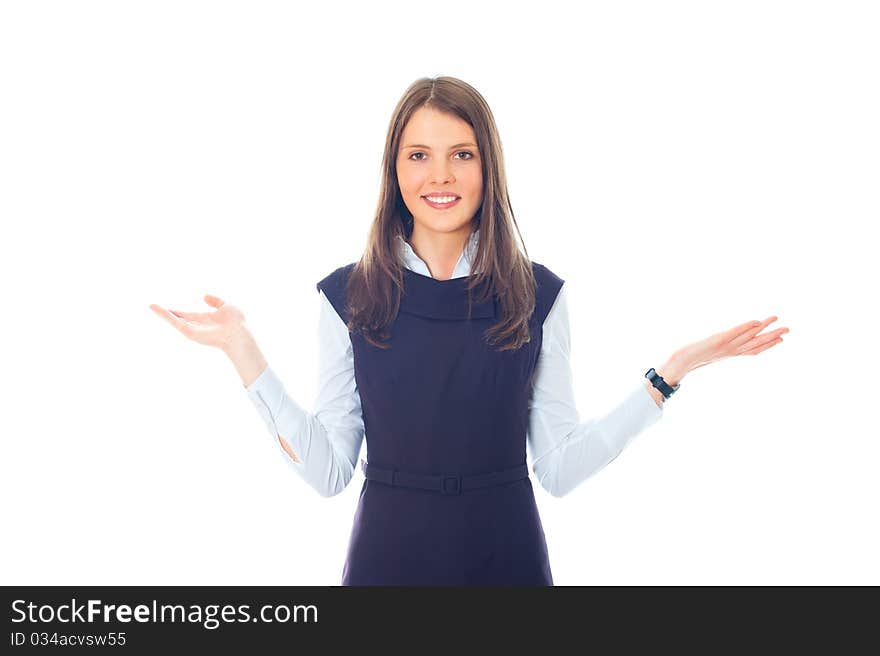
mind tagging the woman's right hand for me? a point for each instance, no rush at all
(222, 328)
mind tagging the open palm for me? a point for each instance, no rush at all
(216, 328)
(739, 340)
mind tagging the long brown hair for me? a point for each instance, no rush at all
(499, 268)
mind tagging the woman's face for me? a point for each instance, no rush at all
(438, 156)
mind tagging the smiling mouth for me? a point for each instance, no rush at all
(441, 202)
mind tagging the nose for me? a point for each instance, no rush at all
(441, 172)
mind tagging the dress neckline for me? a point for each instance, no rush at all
(441, 299)
(432, 278)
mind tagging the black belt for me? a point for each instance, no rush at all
(443, 483)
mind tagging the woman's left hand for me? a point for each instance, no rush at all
(743, 339)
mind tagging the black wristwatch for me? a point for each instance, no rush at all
(658, 382)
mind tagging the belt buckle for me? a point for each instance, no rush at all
(450, 489)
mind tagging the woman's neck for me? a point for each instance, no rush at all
(440, 251)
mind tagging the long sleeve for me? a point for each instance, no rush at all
(328, 441)
(564, 450)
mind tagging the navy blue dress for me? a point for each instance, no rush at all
(443, 409)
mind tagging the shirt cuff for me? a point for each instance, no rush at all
(269, 397)
(651, 412)
(631, 417)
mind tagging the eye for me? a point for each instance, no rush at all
(469, 154)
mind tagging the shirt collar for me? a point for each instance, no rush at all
(462, 268)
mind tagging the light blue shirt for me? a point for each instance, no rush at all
(564, 451)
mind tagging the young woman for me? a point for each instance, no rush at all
(448, 348)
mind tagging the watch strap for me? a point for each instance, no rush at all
(657, 381)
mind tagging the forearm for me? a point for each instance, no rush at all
(672, 372)
(249, 362)
(246, 357)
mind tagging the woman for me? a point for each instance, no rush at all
(448, 348)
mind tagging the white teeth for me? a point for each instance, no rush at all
(441, 199)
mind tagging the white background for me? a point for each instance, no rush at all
(684, 166)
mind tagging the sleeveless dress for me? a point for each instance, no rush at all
(441, 404)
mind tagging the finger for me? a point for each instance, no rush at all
(762, 347)
(766, 323)
(755, 328)
(757, 340)
(174, 313)
(773, 334)
(741, 329)
(182, 326)
(746, 337)
(191, 316)
(214, 301)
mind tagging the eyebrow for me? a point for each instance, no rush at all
(459, 145)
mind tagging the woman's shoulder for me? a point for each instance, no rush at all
(544, 275)
(333, 285)
(549, 284)
(336, 279)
